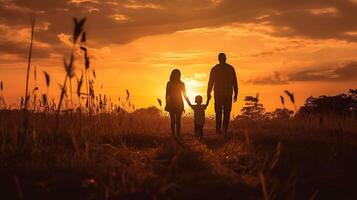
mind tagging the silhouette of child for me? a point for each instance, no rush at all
(199, 115)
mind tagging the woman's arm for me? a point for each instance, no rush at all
(185, 96)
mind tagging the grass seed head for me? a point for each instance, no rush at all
(35, 73)
(78, 28)
(44, 99)
(84, 37)
(34, 90)
(127, 94)
(290, 95)
(159, 101)
(282, 100)
(47, 78)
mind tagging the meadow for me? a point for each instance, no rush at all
(120, 155)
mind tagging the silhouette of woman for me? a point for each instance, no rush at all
(175, 89)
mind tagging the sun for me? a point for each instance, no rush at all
(194, 88)
(192, 93)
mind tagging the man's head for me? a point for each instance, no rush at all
(198, 99)
(222, 58)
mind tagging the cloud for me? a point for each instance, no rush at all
(276, 79)
(345, 72)
(141, 5)
(16, 42)
(21, 50)
(278, 50)
(120, 22)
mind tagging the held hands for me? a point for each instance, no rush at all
(209, 97)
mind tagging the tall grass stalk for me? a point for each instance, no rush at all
(70, 90)
(29, 62)
(86, 68)
(48, 81)
(69, 67)
(2, 100)
(79, 87)
(263, 185)
(45, 96)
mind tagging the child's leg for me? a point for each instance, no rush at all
(173, 121)
(196, 131)
(201, 131)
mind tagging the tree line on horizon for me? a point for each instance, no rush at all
(343, 105)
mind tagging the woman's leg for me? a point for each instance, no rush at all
(173, 121)
(178, 123)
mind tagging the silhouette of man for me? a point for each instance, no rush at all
(224, 81)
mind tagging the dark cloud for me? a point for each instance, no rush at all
(345, 72)
(122, 21)
(279, 50)
(21, 49)
(276, 79)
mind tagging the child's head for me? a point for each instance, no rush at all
(175, 75)
(198, 99)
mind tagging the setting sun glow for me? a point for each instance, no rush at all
(136, 50)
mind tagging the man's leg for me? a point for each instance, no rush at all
(218, 109)
(227, 112)
(218, 122)
(226, 118)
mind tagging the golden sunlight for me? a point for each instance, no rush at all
(193, 88)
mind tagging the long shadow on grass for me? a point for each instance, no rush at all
(195, 176)
(135, 140)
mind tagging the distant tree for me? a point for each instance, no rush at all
(342, 104)
(353, 94)
(281, 113)
(253, 109)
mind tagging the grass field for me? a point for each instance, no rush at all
(132, 156)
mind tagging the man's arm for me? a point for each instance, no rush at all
(207, 102)
(235, 85)
(211, 82)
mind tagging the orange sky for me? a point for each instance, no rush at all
(307, 48)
